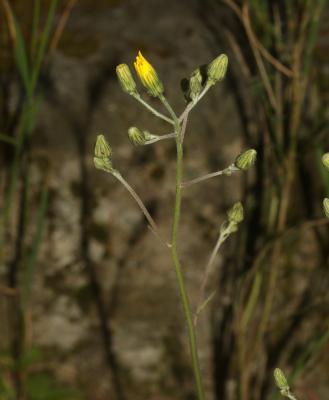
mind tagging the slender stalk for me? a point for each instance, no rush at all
(226, 171)
(170, 110)
(167, 136)
(178, 268)
(153, 110)
(223, 235)
(150, 220)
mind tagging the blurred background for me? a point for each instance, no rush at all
(89, 306)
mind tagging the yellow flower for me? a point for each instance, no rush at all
(148, 76)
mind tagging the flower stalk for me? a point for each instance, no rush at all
(198, 87)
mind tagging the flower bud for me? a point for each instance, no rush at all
(139, 137)
(104, 164)
(195, 84)
(148, 76)
(281, 380)
(325, 160)
(326, 206)
(102, 148)
(246, 159)
(136, 136)
(235, 213)
(126, 80)
(216, 70)
(103, 152)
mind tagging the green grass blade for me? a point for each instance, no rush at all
(21, 57)
(31, 262)
(43, 44)
(35, 24)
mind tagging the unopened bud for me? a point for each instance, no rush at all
(102, 148)
(195, 84)
(139, 137)
(104, 164)
(325, 160)
(281, 380)
(326, 206)
(148, 76)
(246, 159)
(103, 152)
(126, 80)
(235, 213)
(216, 70)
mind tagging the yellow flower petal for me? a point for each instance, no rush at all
(148, 76)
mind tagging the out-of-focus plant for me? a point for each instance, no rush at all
(24, 48)
(197, 87)
(273, 77)
(282, 384)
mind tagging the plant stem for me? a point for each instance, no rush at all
(150, 220)
(223, 235)
(167, 136)
(227, 171)
(153, 110)
(178, 268)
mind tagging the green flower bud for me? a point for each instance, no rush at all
(216, 70)
(136, 136)
(126, 80)
(103, 152)
(235, 213)
(195, 84)
(104, 164)
(102, 148)
(326, 206)
(139, 137)
(281, 380)
(325, 160)
(246, 159)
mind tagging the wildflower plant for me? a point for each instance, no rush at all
(198, 86)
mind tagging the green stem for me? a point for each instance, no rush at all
(227, 171)
(153, 110)
(178, 269)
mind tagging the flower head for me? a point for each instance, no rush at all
(103, 153)
(148, 76)
(216, 70)
(125, 78)
(246, 159)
